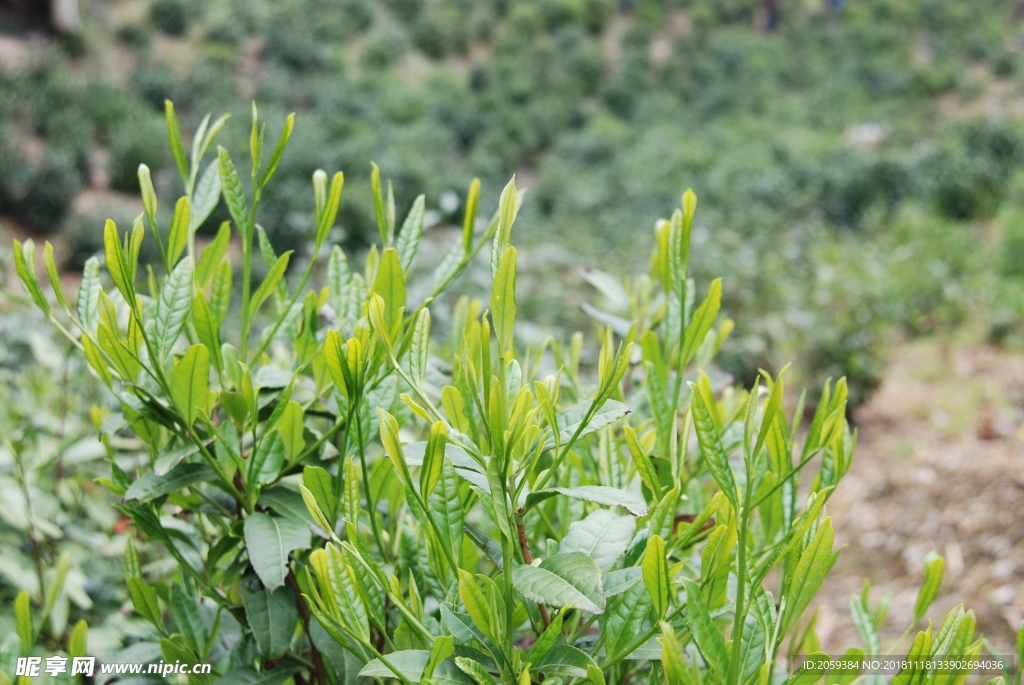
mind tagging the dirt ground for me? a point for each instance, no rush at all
(939, 465)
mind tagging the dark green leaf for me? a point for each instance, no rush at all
(151, 486)
(272, 618)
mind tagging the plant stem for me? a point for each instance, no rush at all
(246, 276)
(524, 545)
(735, 671)
(370, 505)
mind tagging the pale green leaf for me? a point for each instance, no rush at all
(593, 493)
(269, 540)
(190, 383)
(602, 536)
(562, 579)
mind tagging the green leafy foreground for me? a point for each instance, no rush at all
(347, 497)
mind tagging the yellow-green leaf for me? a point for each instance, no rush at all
(655, 574)
(177, 238)
(503, 299)
(190, 383)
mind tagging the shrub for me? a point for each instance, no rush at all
(49, 194)
(384, 47)
(523, 516)
(134, 141)
(170, 16)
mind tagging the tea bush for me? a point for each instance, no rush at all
(346, 496)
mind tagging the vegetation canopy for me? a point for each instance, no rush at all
(347, 496)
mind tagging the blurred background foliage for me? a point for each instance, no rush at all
(860, 170)
(853, 178)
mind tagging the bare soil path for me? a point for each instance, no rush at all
(939, 465)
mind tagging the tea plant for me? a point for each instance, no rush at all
(347, 497)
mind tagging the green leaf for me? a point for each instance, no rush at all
(187, 619)
(562, 579)
(282, 143)
(503, 299)
(174, 135)
(173, 308)
(712, 448)
(89, 294)
(269, 283)
(934, 565)
(269, 540)
(433, 458)
(475, 671)
(320, 483)
(451, 264)
(286, 502)
(392, 446)
(150, 486)
(327, 209)
(508, 207)
(546, 640)
(132, 564)
(919, 651)
(25, 266)
(407, 663)
(115, 260)
(314, 509)
(617, 582)
(810, 572)
(379, 210)
(673, 659)
(643, 464)
(212, 255)
(207, 327)
(805, 675)
(627, 617)
(390, 285)
(593, 493)
(149, 200)
(864, 625)
(420, 346)
(655, 573)
(444, 647)
(190, 383)
(267, 460)
(54, 275)
(445, 506)
(234, 196)
(23, 622)
(220, 293)
(177, 237)
(272, 618)
(702, 321)
(706, 634)
(565, 661)
(144, 599)
(602, 536)
(475, 602)
(78, 640)
(292, 429)
(569, 420)
(412, 229)
(205, 197)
